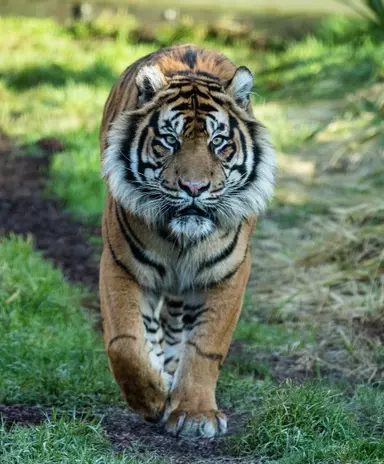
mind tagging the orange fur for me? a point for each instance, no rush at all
(182, 395)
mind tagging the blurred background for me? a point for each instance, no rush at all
(312, 327)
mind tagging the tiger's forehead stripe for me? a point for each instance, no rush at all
(195, 108)
(186, 59)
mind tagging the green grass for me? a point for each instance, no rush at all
(311, 423)
(85, 193)
(270, 336)
(65, 441)
(313, 69)
(49, 354)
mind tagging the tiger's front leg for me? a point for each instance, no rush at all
(133, 340)
(192, 409)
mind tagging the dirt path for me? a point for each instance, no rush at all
(24, 210)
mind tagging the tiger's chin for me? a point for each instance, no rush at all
(192, 227)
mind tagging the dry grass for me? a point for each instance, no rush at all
(324, 270)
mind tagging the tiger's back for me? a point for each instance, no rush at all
(188, 170)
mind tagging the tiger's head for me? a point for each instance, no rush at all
(190, 157)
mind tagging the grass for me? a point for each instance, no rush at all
(315, 300)
(65, 440)
(310, 423)
(49, 355)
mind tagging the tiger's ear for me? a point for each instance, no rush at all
(149, 80)
(240, 86)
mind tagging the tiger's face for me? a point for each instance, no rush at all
(190, 158)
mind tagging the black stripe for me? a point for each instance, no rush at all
(118, 262)
(153, 123)
(137, 252)
(175, 116)
(174, 303)
(125, 156)
(188, 78)
(173, 329)
(173, 342)
(243, 166)
(193, 307)
(150, 330)
(183, 72)
(193, 326)
(119, 337)
(175, 313)
(167, 360)
(212, 356)
(187, 94)
(253, 129)
(216, 99)
(173, 99)
(189, 319)
(193, 92)
(127, 226)
(182, 107)
(209, 75)
(205, 107)
(171, 336)
(189, 57)
(228, 275)
(223, 254)
(140, 145)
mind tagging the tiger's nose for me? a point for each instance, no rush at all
(194, 188)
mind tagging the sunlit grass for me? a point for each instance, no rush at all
(310, 423)
(49, 353)
(66, 440)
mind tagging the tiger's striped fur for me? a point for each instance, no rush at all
(188, 170)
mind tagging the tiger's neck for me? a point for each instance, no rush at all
(166, 264)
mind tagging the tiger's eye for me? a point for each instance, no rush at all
(217, 141)
(171, 140)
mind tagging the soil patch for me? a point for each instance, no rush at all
(124, 428)
(25, 211)
(21, 414)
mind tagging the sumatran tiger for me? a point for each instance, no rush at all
(188, 170)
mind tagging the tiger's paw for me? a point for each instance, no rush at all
(196, 424)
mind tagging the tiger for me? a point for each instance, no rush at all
(188, 170)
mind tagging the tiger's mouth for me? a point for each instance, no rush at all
(192, 222)
(192, 210)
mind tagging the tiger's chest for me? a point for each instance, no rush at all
(175, 282)
(168, 269)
